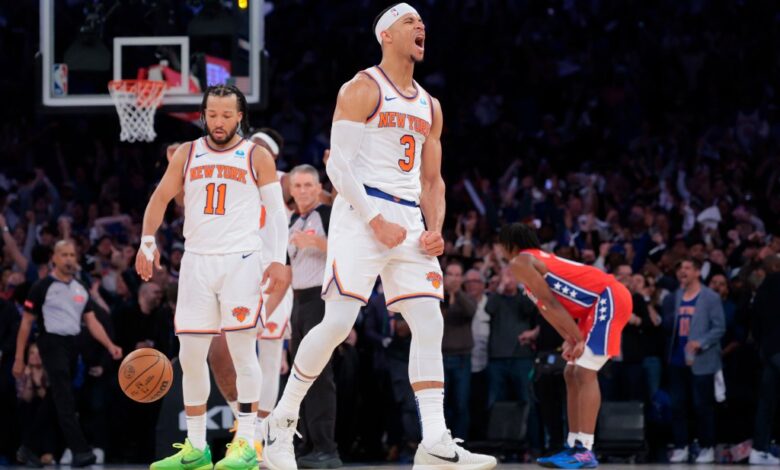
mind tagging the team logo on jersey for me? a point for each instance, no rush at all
(240, 313)
(434, 278)
(240, 153)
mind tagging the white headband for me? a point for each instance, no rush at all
(268, 140)
(390, 17)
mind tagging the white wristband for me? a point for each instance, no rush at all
(148, 247)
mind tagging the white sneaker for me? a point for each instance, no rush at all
(758, 457)
(447, 454)
(679, 455)
(100, 456)
(706, 455)
(278, 434)
(67, 457)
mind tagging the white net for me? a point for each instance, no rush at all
(136, 101)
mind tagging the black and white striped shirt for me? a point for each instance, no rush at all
(308, 264)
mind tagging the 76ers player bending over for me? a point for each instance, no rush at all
(564, 290)
(385, 162)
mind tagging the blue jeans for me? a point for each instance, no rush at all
(457, 388)
(683, 384)
(509, 374)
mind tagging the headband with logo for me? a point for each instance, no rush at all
(268, 140)
(390, 17)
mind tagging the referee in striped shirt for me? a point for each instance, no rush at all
(307, 250)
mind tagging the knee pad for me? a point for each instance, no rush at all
(270, 360)
(317, 346)
(427, 325)
(243, 351)
(196, 384)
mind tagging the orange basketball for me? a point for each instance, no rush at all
(145, 375)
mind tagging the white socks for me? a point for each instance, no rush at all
(315, 351)
(246, 426)
(294, 392)
(196, 431)
(259, 429)
(430, 406)
(585, 439)
(234, 408)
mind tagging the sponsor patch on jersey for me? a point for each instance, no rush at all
(240, 154)
(241, 313)
(434, 278)
(423, 102)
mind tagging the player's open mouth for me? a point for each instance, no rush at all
(419, 41)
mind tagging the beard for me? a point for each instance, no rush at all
(228, 134)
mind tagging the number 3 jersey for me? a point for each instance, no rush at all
(221, 200)
(389, 156)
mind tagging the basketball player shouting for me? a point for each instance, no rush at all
(385, 162)
(219, 285)
(563, 291)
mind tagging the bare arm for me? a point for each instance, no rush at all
(11, 246)
(432, 198)
(172, 183)
(21, 342)
(525, 270)
(99, 333)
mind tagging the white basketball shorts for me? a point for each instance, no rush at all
(355, 257)
(219, 293)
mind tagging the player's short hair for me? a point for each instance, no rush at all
(275, 135)
(518, 236)
(308, 169)
(227, 90)
(379, 16)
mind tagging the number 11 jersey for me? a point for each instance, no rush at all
(221, 200)
(389, 155)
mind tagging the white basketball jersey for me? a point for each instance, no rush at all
(221, 200)
(389, 156)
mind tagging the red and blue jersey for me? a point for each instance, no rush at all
(599, 303)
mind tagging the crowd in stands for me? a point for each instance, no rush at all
(635, 136)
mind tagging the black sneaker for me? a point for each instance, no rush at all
(27, 457)
(83, 459)
(320, 460)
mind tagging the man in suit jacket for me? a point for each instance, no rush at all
(695, 319)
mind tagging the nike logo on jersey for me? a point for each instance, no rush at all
(246, 256)
(452, 459)
(198, 155)
(268, 440)
(390, 98)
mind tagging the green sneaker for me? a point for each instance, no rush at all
(188, 458)
(240, 455)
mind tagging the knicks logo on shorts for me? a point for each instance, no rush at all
(434, 278)
(241, 313)
(271, 327)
